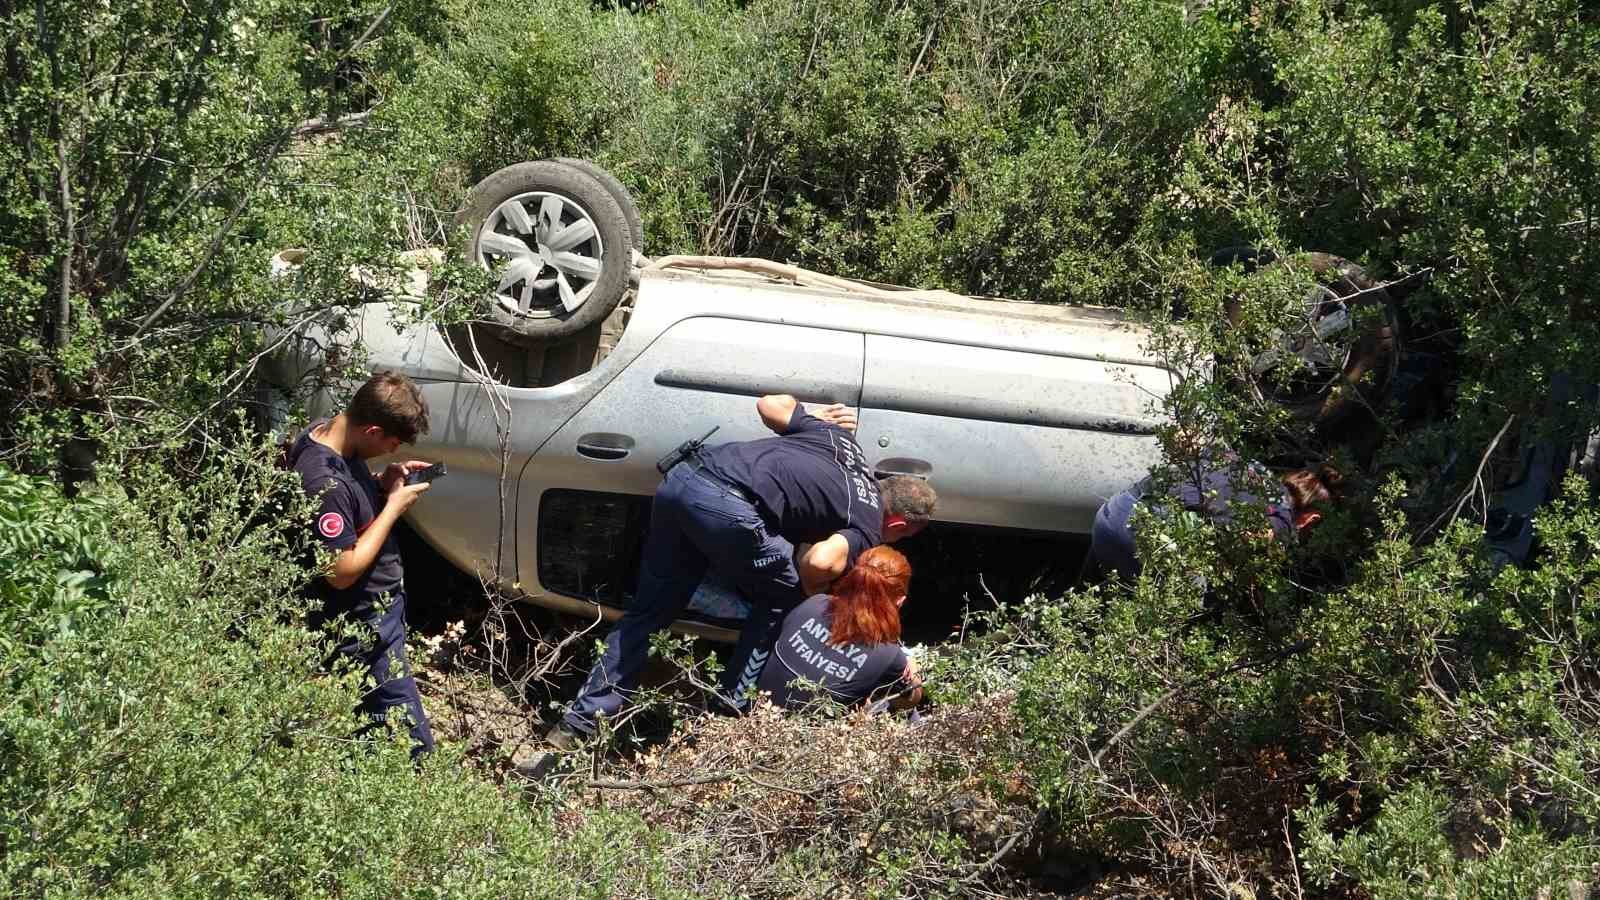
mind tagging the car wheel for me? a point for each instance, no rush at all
(1322, 366)
(618, 192)
(559, 244)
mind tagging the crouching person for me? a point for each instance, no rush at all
(737, 511)
(355, 518)
(1212, 489)
(845, 644)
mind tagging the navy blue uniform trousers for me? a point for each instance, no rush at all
(1112, 548)
(378, 644)
(697, 525)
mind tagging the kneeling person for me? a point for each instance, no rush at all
(847, 642)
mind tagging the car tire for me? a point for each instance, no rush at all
(561, 243)
(618, 191)
(1360, 379)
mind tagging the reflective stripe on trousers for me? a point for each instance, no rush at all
(697, 525)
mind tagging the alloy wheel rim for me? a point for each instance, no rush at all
(546, 250)
(1315, 350)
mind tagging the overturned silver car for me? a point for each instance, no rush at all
(596, 361)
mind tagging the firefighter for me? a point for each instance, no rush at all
(355, 518)
(1213, 487)
(738, 511)
(845, 644)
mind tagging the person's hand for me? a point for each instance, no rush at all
(396, 472)
(837, 414)
(402, 495)
(912, 674)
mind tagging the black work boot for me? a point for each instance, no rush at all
(562, 737)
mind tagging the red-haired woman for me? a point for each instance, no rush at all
(848, 642)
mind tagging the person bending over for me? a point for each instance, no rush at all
(738, 510)
(845, 644)
(1213, 489)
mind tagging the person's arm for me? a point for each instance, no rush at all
(822, 563)
(350, 565)
(782, 414)
(776, 410)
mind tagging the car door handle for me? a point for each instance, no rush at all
(903, 465)
(605, 445)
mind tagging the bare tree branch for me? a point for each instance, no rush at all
(323, 125)
(68, 228)
(1472, 485)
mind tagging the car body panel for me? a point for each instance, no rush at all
(1028, 416)
(654, 414)
(1011, 439)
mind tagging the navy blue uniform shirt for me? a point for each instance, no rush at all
(349, 499)
(808, 484)
(1218, 487)
(849, 674)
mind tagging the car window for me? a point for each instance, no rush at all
(589, 544)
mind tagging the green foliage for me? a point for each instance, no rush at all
(1407, 716)
(1429, 726)
(1460, 137)
(905, 150)
(141, 159)
(174, 737)
(55, 561)
(1407, 851)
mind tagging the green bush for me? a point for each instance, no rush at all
(1381, 700)
(1429, 724)
(55, 562)
(171, 735)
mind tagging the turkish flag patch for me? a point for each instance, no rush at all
(330, 524)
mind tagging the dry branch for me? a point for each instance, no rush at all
(322, 125)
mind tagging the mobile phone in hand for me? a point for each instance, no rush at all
(422, 476)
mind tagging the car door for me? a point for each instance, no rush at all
(460, 516)
(1009, 438)
(584, 499)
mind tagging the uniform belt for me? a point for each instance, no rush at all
(719, 481)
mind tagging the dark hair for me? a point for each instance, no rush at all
(393, 403)
(909, 497)
(862, 608)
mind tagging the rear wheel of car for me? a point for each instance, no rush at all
(559, 244)
(1323, 364)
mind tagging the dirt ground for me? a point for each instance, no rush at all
(494, 677)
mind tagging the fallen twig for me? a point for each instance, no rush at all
(1467, 492)
(322, 125)
(612, 784)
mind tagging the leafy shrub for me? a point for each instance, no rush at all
(175, 738)
(1382, 698)
(55, 561)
